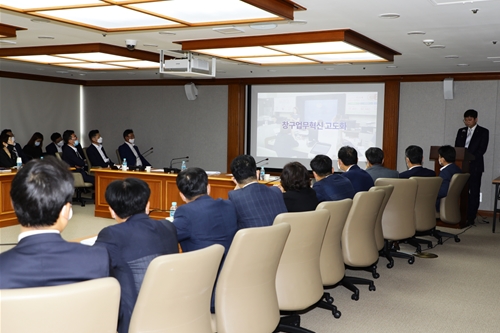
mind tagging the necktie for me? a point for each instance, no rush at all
(469, 136)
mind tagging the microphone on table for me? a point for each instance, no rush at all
(150, 151)
(266, 159)
(174, 170)
(178, 158)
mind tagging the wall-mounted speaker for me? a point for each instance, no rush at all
(191, 91)
(448, 88)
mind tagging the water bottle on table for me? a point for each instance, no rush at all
(173, 209)
(183, 166)
(262, 173)
(124, 165)
(19, 163)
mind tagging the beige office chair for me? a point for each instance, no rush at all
(331, 260)
(89, 165)
(59, 156)
(80, 185)
(449, 207)
(298, 279)
(83, 307)
(425, 210)
(245, 298)
(118, 157)
(359, 247)
(398, 219)
(379, 235)
(176, 291)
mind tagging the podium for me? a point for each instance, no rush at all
(462, 161)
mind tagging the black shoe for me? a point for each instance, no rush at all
(471, 222)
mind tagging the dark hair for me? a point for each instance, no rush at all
(67, 135)
(415, 154)
(5, 131)
(34, 137)
(192, 182)
(448, 153)
(55, 136)
(295, 177)
(322, 165)
(127, 196)
(470, 113)
(243, 167)
(374, 155)
(348, 155)
(40, 190)
(93, 133)
(127, 132)
(4, 137)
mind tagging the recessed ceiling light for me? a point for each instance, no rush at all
(46, 37)
(329, 69)
(463, 65)
(392, 66)
(62, 72)
(451, 57)
(496, 61)
(343, 64)
(492, 57)
(166, 33)
(150, 45)
(416, 33)
(40, 20)
(82, 74)
(298, 22)
(389, 16)
(7, 42)
(263, 26)
(229, 30)
(428, 42)
(437, 47)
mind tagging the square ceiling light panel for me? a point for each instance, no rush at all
(130, 15)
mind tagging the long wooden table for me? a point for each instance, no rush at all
(496, 182)
(163, 189)
(7, 215)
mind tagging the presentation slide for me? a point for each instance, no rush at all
(297, 122)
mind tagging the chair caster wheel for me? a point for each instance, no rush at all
(355, 297)
(372, 288)
(329, 300)
(411, 260)
(376, 275)
(457, 240)
(390, 265)
(337, 314)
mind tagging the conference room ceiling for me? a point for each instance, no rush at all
(464, 38)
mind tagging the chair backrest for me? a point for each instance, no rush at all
(245, 298)
(58, 155)
(176, 291)
(83, 307)
(449, 209)
(358, 237)
(379, 235)
(331, 260)
(118, 157)
(89, 165)
(298, 279)
(398, 219)
(425, 203)
(79, 182)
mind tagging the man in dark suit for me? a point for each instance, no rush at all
(413, 157)
(256, 204)
(134, 241)
(475, 138)
(41, 195)
(128, 150)
(374, 164)
(95, 151)
(329, 186)
(17, 147)
(56, 145)
(446, 159)
(348, 162)
(73, 155)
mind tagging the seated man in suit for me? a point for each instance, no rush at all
(134, 241)
(74, 156)
(203, 221)
(256, 204)
(41, 194)
(56, 145)
(95, 151)
(413, 157)
(128, 150)
(447, 156)
(348, 162)
(18, 151)
(329, 186)
(374, 160)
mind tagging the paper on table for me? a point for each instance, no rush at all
(157, 170)
(89, 241)
(213, 173)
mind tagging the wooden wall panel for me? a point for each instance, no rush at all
(391, 124)
(235, 122)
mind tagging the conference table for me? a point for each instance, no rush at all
(163, 189)
(496, 182)
(7, 214)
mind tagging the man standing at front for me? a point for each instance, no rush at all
(475, 138)
(256, 204)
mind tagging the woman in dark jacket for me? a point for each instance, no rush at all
(296, 187)
(7, 155)
(34, 147)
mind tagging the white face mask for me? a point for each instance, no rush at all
(60, 143)
(37, 143)
(13, 139)
(131, 141)
(99, 140)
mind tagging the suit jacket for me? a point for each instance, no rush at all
(125, 152)
(33, 151)
(301, 201)
(446, 174)
(95, 157)
(131, 246)
(51, 148)
(334, 187)
(379, 171)
(477, 145)
(5, 160)
(418, 171)
(360, 179)
(71, 157)
(48, 260)
(257, 205)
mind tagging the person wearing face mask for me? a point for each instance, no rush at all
(130, 151)
(56, 145)
(7, 155)
(74, 156)
(34, 147)
(17, 147)
(96, 153)
(41, 195)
